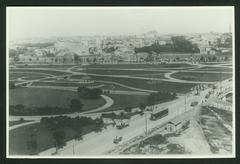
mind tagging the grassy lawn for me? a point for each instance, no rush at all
(51, 72)
(125, 66)
(114, 87)
(19, 137)
(194, 76)
(31, 97)
(122, 101)
(17, 81)
(215, 69)
(64, 84)
(33, 77)
(156, 85)
(119, 72)
(214, 63)
(46, 66)
(26, 76)
(157, 75)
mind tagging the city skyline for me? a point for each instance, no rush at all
(25, 22)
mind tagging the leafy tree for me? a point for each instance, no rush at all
(98, 124)
(75, 58)
(78, 135)
(59, 138)
(142, 106)
(127, 109)
(76, 105)
(88, 93)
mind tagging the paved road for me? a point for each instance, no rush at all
(137, 126)
(23, 124)
(90, 146)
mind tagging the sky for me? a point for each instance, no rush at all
(27, 22)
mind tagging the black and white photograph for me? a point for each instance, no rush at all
(120, 82)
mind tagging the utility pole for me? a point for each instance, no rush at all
(185, 102)
(73, 148)
(146, 122)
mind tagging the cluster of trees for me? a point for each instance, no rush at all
(88, 93)
(92, 50)
(113, 115)
(110, 49)
(75, 106)
(212, 58)
(78, 124)
(179, 44)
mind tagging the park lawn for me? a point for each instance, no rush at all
(19, 137)
(51, 72)
(15, 75)
(133, 101)
(157, 75)
(139, 66)
(34, 77)
(122, 101)
(17, 81)
(64, 84)
(65, 66)
(155, 85)
(213, 63)
(206, 77)
(115, 87)
(40, 97)
(118, 72)
(223, 69)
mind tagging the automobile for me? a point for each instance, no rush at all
(117, 139)
(194, 103)
(122, 124)
(207, 96)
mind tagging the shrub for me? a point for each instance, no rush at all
(88, 93)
